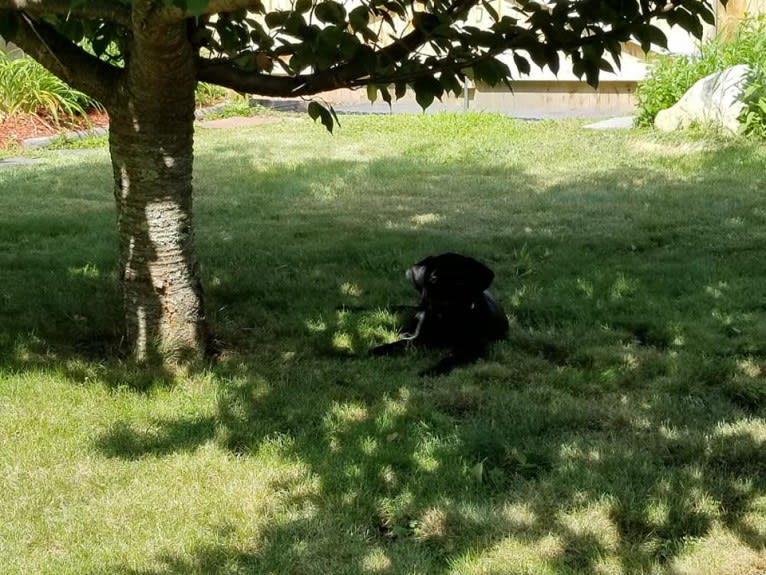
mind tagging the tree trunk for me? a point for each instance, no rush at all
(151, 145)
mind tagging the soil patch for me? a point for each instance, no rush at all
(14, 129)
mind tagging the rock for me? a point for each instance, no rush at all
(715, 99)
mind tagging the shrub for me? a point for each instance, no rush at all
(25, 86)
(671, 76)
(209, 94)
(754, 116)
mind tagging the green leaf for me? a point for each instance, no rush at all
(522, 64)
(386, 95)
(366, 57)
(491, 10)
(359, 18)
(552, 59)
(491, 71)
(335, 116)
(426, 90)
(606, 66)
(330, 12)
(276, 19)
(424, 22)
(316, 110)
(303, 6)
(372, 92)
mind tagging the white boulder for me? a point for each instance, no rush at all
(715, 99)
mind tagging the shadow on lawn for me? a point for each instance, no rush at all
(417, 475)
(595, 434)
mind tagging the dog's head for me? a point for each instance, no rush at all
(450, 279)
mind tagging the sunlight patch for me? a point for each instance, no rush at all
(368, 445)
(425, 219)
(716, 291)
(416, 222)
(316, 325)
(433, 524)
(352, 289)
(594, 523)
(749, 368)
(668, 149)
(751, 428)
(526, 556)
(87, 271)
(622, 287)
(342, 341)
(519, 515)
(631, 361)
(720, 552)
(376, 561)
(345, 413)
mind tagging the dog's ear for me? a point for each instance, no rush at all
(462, 272)
(478, 276)
(417, 273)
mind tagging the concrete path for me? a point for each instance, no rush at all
(8, 162)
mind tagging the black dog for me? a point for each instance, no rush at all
(456, 311)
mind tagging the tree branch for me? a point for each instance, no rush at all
(69, 62)
(222, 72)
(88, 10)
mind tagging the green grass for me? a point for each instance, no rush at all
(619, 429)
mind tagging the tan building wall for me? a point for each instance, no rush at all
(728, 17)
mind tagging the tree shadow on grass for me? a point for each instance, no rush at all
(607, 431)
(417, 476)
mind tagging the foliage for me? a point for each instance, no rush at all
(235, 105)
(754, 116)
(619, 429)
(389, 46)
(671, 76)
(25, 86)
(209, 94)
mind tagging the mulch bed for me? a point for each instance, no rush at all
(20, 126)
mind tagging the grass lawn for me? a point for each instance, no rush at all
(619, 429)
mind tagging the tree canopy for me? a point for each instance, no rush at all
(304, 47)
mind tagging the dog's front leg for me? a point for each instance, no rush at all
(421, 318)
(404, 340)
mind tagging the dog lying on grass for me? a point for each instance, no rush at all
(456, 311)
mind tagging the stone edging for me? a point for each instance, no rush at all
(42, 141)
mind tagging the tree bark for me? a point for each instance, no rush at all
(151, 145)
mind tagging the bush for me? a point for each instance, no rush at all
(25, 86)
(209, 94)
(671, 76)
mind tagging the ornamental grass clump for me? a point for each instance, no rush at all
(27, 87)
